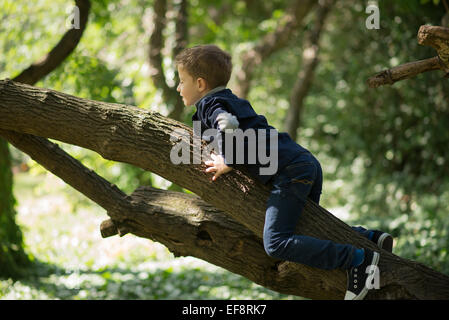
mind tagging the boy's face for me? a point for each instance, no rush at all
(190, 89)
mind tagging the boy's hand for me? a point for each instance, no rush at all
(217, 165)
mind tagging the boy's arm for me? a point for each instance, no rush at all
(218, 117)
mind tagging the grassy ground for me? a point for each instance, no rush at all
(72, 261)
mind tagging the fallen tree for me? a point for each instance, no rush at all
(223, 225)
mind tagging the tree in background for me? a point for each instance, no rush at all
(12, 255)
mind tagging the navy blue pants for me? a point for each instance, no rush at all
(301, 179)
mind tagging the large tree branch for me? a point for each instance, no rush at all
(436, 37)
(57, 161)
(39, 70)
(50, 155)
(270, 43)
(184, 223)
(132, 135)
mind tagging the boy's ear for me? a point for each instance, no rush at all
(201, 83)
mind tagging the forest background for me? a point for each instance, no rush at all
(383, 151)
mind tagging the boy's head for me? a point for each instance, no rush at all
(202, 68)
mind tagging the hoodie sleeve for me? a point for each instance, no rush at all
(219, 118)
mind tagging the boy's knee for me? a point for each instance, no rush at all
(270, 250)
(272, 247)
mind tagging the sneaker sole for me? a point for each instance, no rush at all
(351, 296)
(385, 242)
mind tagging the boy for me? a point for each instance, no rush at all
(204, 72)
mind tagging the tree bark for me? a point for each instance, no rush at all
(270, 43)
(437, 38)
(132, 135)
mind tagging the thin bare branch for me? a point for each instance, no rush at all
(434, 36)
(404, 71)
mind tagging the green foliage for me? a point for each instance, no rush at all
(72, 261)
(435, 2)
(383, 151)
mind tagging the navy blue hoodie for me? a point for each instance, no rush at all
(211, 105)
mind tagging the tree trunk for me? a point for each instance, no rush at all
(132, 135)
(12, 255)
(270, 43)
(156, 45)
(305, 76)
